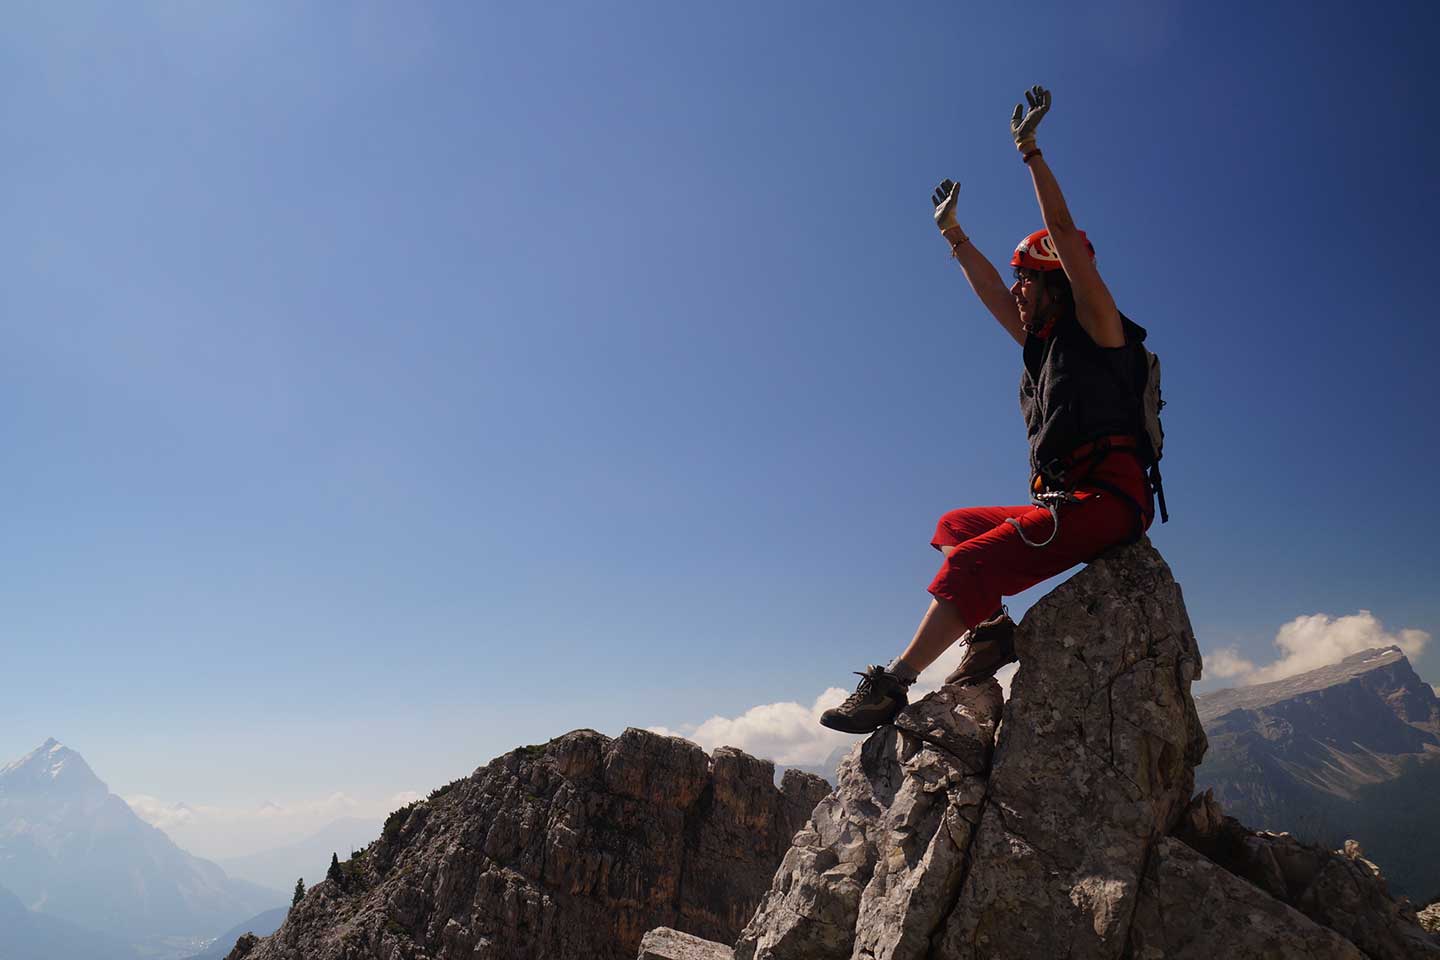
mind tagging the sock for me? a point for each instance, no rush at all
(900, 669)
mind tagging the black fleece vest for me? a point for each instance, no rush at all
(1073, 391)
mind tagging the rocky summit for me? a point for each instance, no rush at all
(569, 849)
(1061, 824)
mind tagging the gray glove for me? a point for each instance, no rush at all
(1023, 122)
(944, 198)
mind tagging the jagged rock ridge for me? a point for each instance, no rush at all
(1071, 832)
(569, 849)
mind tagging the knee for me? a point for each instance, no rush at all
(950, 532)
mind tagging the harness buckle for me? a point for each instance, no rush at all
(1053, 473)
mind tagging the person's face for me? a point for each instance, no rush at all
(1030, 295)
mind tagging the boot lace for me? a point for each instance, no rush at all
(866, 686)
(968, 637)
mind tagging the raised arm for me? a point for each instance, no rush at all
(1094, 306)
(984, 278)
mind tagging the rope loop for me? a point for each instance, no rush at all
(1050, 500)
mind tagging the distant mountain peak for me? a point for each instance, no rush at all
(1349, 750)
(1378, 661)
(74, 851)
(52, 766)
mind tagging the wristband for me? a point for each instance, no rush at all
(949, 234)
(1031, 154)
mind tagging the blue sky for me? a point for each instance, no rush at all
(387, 385)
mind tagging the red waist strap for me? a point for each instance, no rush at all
(1053, 474)
(1119, 441)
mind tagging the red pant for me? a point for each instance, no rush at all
(991, 561)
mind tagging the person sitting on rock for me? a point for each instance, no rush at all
(1084, 369)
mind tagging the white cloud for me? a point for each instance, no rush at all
(788, 733)
(402, 799)
(1313, 641)
(158, 813)
(1227, 662)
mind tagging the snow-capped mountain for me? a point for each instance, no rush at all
(69, 848)
(52, 769)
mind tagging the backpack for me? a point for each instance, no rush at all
(1152, 441)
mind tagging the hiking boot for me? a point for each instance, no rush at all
(875, 702)
(989, 645)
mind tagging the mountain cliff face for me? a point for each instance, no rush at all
(570, 849)
(1351, 750)
(71, 849)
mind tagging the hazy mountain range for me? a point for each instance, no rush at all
(306, 859)
(26, 935)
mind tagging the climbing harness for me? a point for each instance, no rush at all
(1052, 486)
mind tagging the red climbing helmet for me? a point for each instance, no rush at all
(1037, 252)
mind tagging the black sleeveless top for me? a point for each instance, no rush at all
(1073, 390)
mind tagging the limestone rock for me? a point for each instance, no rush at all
(243, 947)
(1063, 846)
(875, 869)
(1340, 889)
(569, 849)
(1094, 765)
(1191, 909)
(662, 943)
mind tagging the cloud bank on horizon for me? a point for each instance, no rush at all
(1313, 641)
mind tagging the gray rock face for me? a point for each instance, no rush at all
(1191, 909)
(1064, 845)
(662, 943)
(877, 866)
(570, 849)
(1338, 889)
(1093, 766)
(244, 946)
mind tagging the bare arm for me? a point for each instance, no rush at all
(1094, 306)
(990, 288)
(979, 271)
